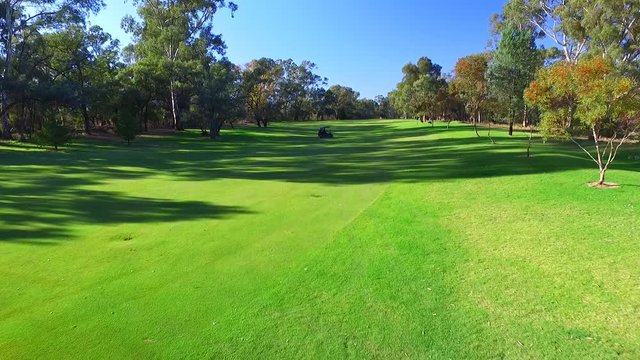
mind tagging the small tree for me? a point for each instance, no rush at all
(53, 133)
(127, 126)
(588, 97)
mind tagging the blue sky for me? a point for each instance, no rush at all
(357, 43)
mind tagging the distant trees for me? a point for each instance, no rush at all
(24, 80)
(284, 90)
(173, 35)
(422, 91)
(174, 74)
(384, 108)
(346, 101)
(260, 80)
(219, 96)
(86, 60)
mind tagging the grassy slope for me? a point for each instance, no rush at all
(393, 240)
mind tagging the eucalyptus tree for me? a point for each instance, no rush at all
(609, 28)
(561, 21)
(384, 108)
(346, 102)
(219, 96)
(23, 20)
(325, 103)
(166, 32)
(419, 94)
(296, 87)
(260, 80)
(88, 59)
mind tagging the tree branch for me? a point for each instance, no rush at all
(585, 150)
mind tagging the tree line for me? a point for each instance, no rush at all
(583, 87)
(60, 76)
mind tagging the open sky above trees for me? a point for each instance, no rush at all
(348, 40)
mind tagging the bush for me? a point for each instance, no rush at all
(53, 133)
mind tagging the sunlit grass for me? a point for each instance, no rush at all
(394, 240)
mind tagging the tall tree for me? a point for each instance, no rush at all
(471, 85)
(512, 69)
(561, 21)
(296, 86)
(602, 27)
(418, 94)
(346, 100)
(219, 96)
(167, 31)
(260, 80)
(86, 58)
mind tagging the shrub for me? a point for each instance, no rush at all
(127, 126)
(53, 133)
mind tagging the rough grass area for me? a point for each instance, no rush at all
(393, 240)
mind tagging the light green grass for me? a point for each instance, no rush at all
(394, 240)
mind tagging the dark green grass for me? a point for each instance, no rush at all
(393, 240)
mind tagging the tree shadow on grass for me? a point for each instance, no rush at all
(43, 211)
(43, 192)
(363, 152)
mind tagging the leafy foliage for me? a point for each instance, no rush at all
(421, 91)
(512, 69)
(590, 96)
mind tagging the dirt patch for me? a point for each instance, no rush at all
(606, 185)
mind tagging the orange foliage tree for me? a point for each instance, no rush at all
(587, 97)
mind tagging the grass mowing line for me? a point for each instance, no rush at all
(377, 290)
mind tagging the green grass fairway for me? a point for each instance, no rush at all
(394, 240)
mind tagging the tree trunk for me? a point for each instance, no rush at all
(510, 127)
(174, 112)
(603, 173)
(529, 143)
(8, 46)
(475, 121)
(491, 138)
(214, 131)
(212, 126)
(87, 120)
(146, 117)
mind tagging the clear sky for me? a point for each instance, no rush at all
(357, 43)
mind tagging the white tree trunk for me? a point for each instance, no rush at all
(173, 107)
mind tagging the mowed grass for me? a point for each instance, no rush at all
(394, 240)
